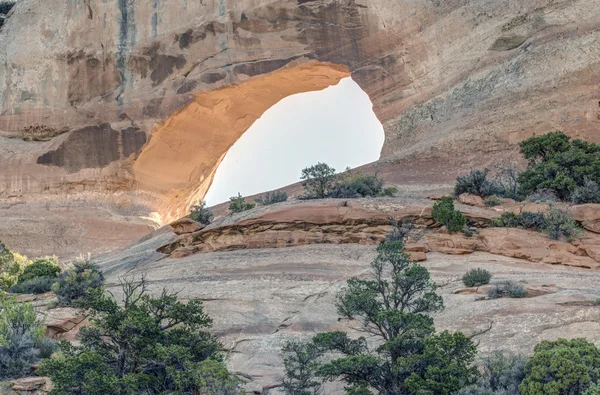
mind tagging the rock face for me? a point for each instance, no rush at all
(368, 222)
(139, 101)
(261, 298)
(332, 221)
(31, 385)
(588, 215)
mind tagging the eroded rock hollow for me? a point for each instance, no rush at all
(121, 111)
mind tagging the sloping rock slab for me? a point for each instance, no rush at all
(536, 247)
(32, 385)
(64, 323)
(186, 225)
(588, 215)
(364, 221)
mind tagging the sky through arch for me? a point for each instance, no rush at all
(336, 125)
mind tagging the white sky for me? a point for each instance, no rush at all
(336, 126)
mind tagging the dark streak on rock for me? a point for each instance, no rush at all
(94, 147)
(211, 77)
(261, 67)
(159, 65)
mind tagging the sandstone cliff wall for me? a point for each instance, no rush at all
(101, 99)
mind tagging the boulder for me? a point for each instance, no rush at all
(31, 384)
(453, 243)
(253, 388)
(588, 215)
(418, 256)
(186, 225)
(64, 323)
(471, 200)
(416, 248)
(364, 222)
(536, 247)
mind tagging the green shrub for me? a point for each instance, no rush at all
(301, 364)
(318, 181)
(43, 267)
(272, 198)
(390, 191)
(399, 231)
(6, 257)
(558, 164)
(589, 192)
(561, 367)
(516, 291)
(559, 224)
(593, 390)
(20, 329)
(201, 213)
(508, 289)
(492, 201)
(507, 177)
(321, 181)
(36, 285)
(238, 204)
(457, 223)
(530, 220)
(11, 267)
(501, 375)
(543, 196)
(142, 344)
(74, 284)
(508, 219)
(357, 185)
(5, 7)
(476, 277)
(444, 213)
(367, 186)
(477, 183)
(555, 223)
(400, 352)
(46, 347)
(443, 210)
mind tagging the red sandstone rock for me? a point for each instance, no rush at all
(151, 143)
(186, 225)
(368, 223)
(536, 247)
(418, 256)
(31, 384)
(329, 221)
(454, 243)
(471, 200)
(64, 323)
(588, 215)
(416, 248)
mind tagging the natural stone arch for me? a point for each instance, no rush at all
(175, 169)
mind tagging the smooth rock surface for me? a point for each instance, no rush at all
(588, 215)
(102, 99)
(261, 298)
(471, 200)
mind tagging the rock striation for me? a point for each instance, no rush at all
(141, 100)
(261, 298)
(369, 221)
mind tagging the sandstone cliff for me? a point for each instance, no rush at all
(271, 275)
(130, 106)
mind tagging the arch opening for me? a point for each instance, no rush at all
(335, 125)
(175, 169)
